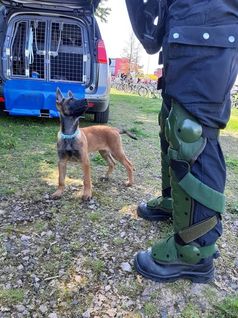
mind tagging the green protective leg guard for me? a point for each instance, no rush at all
(165, 204)
(163, 115)
(169, 251)
(186, 143)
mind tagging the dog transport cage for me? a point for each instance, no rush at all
(42, 48)
(50, 50)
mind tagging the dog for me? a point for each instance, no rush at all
(74, 144)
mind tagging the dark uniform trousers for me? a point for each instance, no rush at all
(200, 58)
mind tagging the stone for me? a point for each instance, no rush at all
(43, 309)
(126, 267)
(53, 315)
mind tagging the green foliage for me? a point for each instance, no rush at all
(118, 241)
(233, 122)
(11, 296)
(7, 141)
(227, 309)
(190, 311)
(96, 265)
(138, 132)
(95, 216)
(103, 12)
(39, 226)
(97, 158)
(150, 310)
(138, 122)
(232, 163)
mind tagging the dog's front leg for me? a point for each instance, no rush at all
(87, 184)
(62, 174)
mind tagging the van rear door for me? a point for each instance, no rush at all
(68, 5)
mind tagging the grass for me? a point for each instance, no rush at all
(95, 216)
(131, 289)
(96, 265)
(146, 105)
(190, 311)
(139, 132)
(11, 296)
(233, 122)
(151, 310)
(227, 309)
(90, 242)
(232, 163)
(97, 158)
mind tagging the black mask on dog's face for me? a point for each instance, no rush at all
(70, 106)
(70, 111)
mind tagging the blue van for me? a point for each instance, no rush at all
(49, 44)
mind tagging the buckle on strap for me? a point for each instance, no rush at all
(195, 231)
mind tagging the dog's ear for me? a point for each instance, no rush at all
(70, 94)
(59, 98)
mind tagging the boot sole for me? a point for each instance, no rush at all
(195, 277)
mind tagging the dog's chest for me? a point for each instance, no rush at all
(69, 149)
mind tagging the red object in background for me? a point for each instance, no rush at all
(119, 66)
(90, 104)
(101, 52)
(2, 100)
(122, 66)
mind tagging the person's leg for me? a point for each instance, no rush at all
(197, 206)
(199, 47)
(160, 208)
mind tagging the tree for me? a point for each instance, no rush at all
(132, 51)
(103, 12)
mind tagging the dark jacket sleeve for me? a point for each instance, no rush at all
(148, 22)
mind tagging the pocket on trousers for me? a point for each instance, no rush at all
(198, 71)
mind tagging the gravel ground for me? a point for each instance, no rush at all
(71, 259)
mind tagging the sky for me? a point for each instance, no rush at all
(116, 31)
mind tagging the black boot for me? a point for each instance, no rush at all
(158, 209)
(203, 272)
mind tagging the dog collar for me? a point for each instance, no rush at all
(75, 134)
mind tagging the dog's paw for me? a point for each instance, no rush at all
(104, 179)
(86, 197)
(57, 194)
(128, 184)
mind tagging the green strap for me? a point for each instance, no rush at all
(200, 192)
(168, 251)
(197, 230)
(161, 203)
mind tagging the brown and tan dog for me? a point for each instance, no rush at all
(74, 144)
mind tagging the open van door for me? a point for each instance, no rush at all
(44, 51)
(67, 5)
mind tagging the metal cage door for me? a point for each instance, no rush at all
(67, 59)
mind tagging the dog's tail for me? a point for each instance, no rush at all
(128, 133)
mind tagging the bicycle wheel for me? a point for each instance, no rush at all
(143, 91)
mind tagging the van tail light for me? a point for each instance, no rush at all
(101, 52)
(2, 100)
(91, 104)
